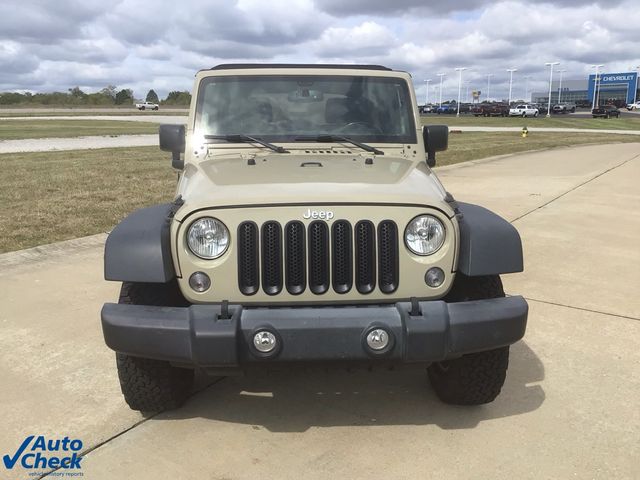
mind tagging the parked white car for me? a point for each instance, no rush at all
(634, 106)
(147, 106)
(523, 110)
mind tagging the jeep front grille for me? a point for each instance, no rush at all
(248, 264)
(318, 257)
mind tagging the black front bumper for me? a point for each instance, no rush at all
(198, 336)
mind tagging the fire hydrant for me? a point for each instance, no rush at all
(525, 132)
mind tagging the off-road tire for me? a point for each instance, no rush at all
(472, 379)
(475, 378)
(152, 385)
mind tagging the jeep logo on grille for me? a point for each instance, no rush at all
(318, 214)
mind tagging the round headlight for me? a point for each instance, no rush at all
(424, 235)
(208, 238)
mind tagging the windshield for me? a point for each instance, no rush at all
(283, 108)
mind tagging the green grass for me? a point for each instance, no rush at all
(97, 112)
(52, 196)
(19, 129)
(555, 121)
(467, 146)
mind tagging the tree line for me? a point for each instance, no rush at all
(108, 96)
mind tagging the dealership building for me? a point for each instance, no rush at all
(620, 87)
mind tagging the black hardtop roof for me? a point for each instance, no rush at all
(234, 66)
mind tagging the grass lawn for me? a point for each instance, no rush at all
(467, 146)
(19, 129)
(54, 196)
(54, 112)
(555, 121)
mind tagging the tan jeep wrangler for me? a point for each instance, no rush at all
(309, 228)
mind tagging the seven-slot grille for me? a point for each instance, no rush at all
(318, 256)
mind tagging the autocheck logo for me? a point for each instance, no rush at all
(38, 452)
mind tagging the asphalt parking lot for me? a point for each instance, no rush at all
(569, 408)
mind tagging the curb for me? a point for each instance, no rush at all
(51, 251)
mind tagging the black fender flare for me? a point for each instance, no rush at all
(138, 249)
(489, 245)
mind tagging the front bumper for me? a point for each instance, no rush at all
(198, 336)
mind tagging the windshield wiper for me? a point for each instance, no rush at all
(340, 138)
(239, 138)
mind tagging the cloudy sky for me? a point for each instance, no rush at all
(48, 45)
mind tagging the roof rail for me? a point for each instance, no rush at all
(232, 66)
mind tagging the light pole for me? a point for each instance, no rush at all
(426, 94)
(595, 86)
(459, 70)
(466, 95)
(511, 70)
(550, 64)
(489, 75)
(560, 85)
(526, 88)
(635, 92)
(441, 75)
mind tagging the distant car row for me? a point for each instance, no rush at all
(497, 109)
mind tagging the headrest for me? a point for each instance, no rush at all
(336, 110)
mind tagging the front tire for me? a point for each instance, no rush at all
(150, 385)
(475, 378)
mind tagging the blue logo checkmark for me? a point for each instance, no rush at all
(10, 462)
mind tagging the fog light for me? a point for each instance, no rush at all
(200, 282)
(377, 339)
(434, 277)
(265, 342)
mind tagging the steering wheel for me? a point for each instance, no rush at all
(359, 126)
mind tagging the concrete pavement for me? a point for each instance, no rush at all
(568, 408)
(77, 143)
(150, 118)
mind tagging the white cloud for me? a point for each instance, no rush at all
(140, 44)
(368, 39)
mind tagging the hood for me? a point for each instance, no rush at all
(240, 180)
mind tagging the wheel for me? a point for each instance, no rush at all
(573, 110)
(155, 108)
(142, 108)
(524, 114)
(607, 116)
(475, 378)
(535, 114)
(152, 385)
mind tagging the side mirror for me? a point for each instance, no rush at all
(172, 139)
(436, 139)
